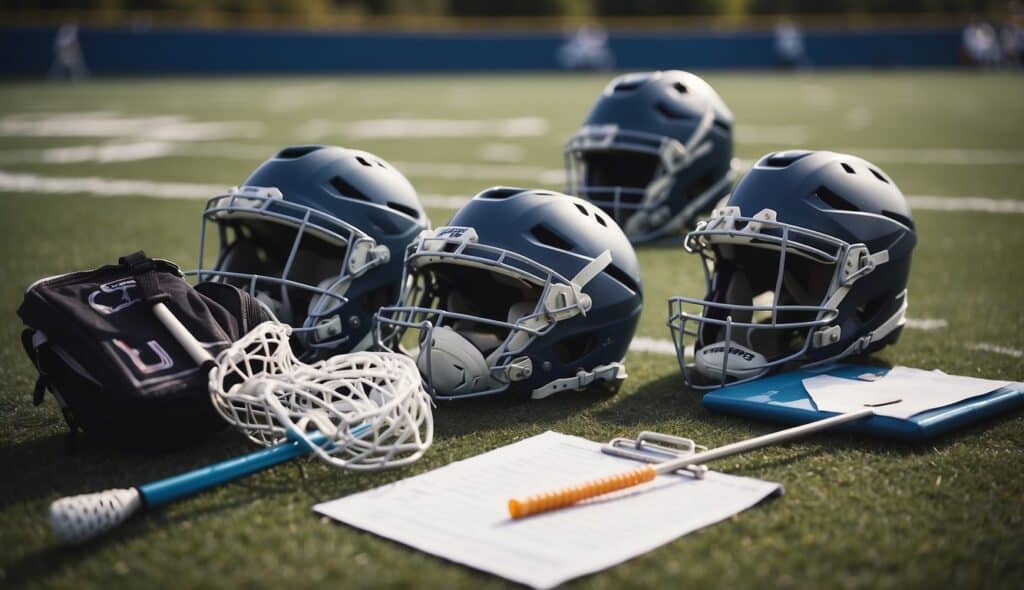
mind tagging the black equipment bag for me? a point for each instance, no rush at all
(113, 367)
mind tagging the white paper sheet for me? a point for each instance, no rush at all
(459, 511)
(916, 390)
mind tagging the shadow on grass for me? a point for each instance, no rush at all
(459, 418)
(45, 467)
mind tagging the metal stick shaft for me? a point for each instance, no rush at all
(763, 441)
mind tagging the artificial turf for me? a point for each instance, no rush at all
(857, 512)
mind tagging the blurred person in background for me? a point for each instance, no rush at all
(789, 46)
(587, 49)
(980, 46)
(68, 63)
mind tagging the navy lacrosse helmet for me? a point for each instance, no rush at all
(807, 263)
(654, 153)
(317, 234)
(524, 291)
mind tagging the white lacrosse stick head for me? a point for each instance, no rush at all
(362, 411)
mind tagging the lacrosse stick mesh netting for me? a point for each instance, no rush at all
(362, 411)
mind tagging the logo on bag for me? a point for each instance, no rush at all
(163, 359)
(113, 297)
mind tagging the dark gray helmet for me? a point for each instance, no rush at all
(524, 291)
(807, 262)
(317, 233)
(654, 153)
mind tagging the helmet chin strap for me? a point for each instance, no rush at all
(455, 365)
(280, 310)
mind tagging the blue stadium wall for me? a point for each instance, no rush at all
(29, 50)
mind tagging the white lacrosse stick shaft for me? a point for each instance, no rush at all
(192, 346)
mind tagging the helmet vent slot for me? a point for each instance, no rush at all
(680, 88)
(833, 200)
(879, 176)
(363, 161)
(347, 190)
(668, 112)
(297, 151)
(899, 218)
(411, 212)
(620, 275)
(628, 85)
(550, 238)
(582, 210)
(574, 348)
(600, 219)
(499, 193)
(849, 169)
(783, 159)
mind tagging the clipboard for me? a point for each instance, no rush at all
(782, 398)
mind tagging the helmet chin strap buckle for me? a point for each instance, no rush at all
(328, 328)
(519, 369)
(826, 336)
(608, 373)
(366, 254)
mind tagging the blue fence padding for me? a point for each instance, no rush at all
(28, 51)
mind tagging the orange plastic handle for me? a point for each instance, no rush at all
(568, 496)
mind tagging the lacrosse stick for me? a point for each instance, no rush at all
(565, 497)
(361, 411)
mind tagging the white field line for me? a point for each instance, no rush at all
(982, 204)
(106, 187)
(656, 346)
(938, 156)
(771, 134)
(23, 182)
(927, 324)
(917, 203)
(415, 128)
(501, 152)
(666, 347)
(997, 349)
(115, 125)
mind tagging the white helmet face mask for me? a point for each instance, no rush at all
(641, 197)
(298, 262)
(472, 346)
(780, 287)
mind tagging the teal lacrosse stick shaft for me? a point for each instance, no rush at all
(79, 518)
(167, 490)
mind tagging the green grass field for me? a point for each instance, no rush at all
(857, 512)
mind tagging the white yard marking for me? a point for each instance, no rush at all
(117, 125)
(927, 324)
(771, 134)
(501, 152)
(917, 203)
(938, 156)
(654, 345)
(857, 119)
(35, 183)
(660, 346)
(297, 97)
(100, 154)
(997, 349)
(980, 204)
(490, 172)
(414, 128)
(106, 187)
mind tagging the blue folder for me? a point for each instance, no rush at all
(782, 398)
